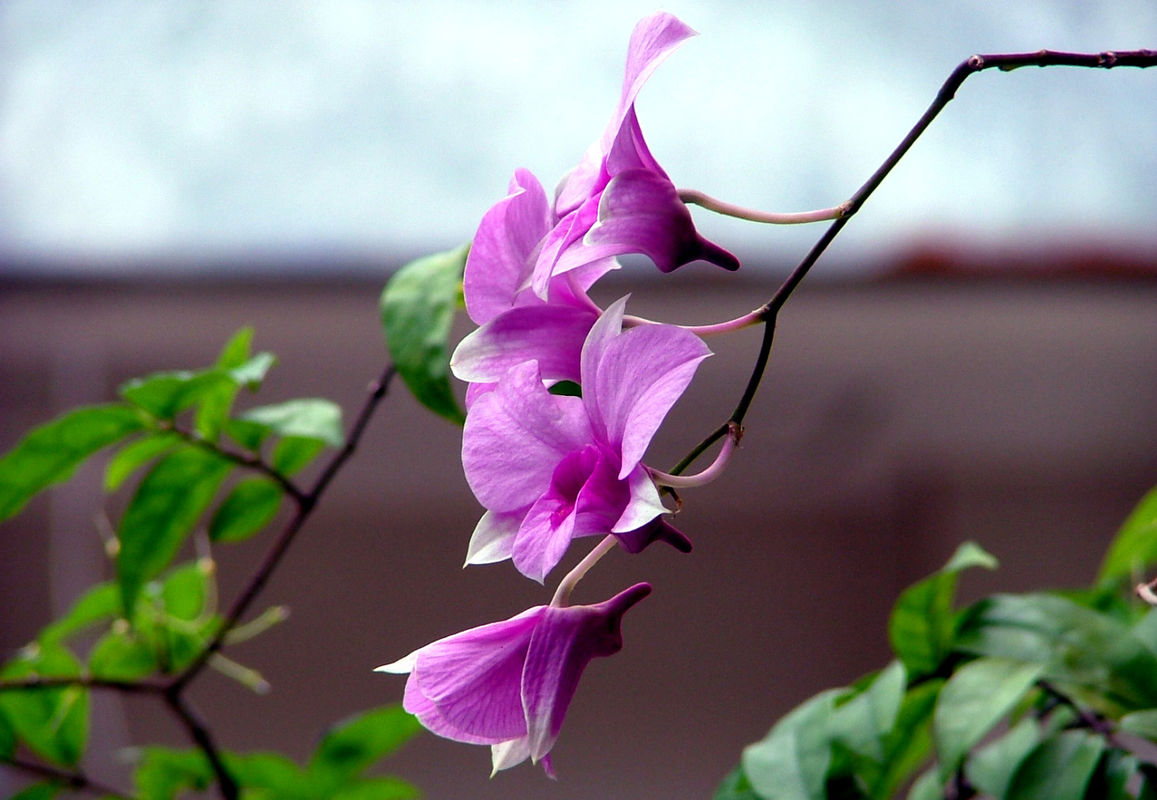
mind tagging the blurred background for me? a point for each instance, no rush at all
(973, 359)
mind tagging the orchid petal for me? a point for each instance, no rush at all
(552, 335)
(632, 378)
(508, 754)
(472, 679)
(657, 530)
(493, 537)
(560, 648)
(640, 212)
(645, 503)
(514, 437)
(500, 256)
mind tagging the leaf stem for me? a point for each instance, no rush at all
(77, 781)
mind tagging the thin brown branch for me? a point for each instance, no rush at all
(305, 507)
(246, 460)
(77, 781)
(199, 733)
(84, 682)
(977, 63)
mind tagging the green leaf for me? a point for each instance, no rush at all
(1093, 653)
(1135, 546)
(973, 700)
(792, 762)
(121, 655)
(165, 507)
(906, 746)
(273, 776)
(927, 787)
(736, 787)
(991, 768)
(213, 410)
(52, 722)
(1111, 778)
(164, 772)
(39, 791)
(417, 308)
(377, 789)
(52, 452)
(185, 591)
(214, 407)
(250, 435)
(248, 508)
(922, 622)
(355, 744)
(1141, 723)
(310, 418)
(863, 722)
(7, 738)
(136, 454)
(1058, 768)
(164, 395)
(567, 389)
(101, 603)
(294, 453)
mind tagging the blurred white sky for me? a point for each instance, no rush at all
(138, 129)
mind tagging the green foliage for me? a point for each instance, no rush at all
(310, 418)
(250, 506)
(53, 723)
(163, 511)
(417, 308)
(1018, 697)
(335, 770)
(52, 452)
(1135, 545)
(922, 622)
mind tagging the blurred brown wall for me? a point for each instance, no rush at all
(897, 419)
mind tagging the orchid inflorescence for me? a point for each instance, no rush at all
(548, 466)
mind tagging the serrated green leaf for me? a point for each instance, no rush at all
(736, 787)
(417, 309)
(863, 722)
(121, 655)
(293, 454)
(167, 504)
(1058, 768)
(39, 791)
(1134, 548)
(51, 453)
(973, 701)
(311, 418)
(377, 789)
(1088, 652)
(249, 507)
(52, 722)
(163, 772)
(355, 744)
(101, 603)
(922, 621)
(792, 762)
(136, 454)
(991, 767)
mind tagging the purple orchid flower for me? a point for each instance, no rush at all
(532, 263)
(508, 684)
(551, 468)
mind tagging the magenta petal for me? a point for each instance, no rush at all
(501, 254)
(552, 335)
(514, 437)
(562, 645)
(657, 530)
(653, 39)
(632, 378)
(546, 531)
(472, 679)
(640, 212)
